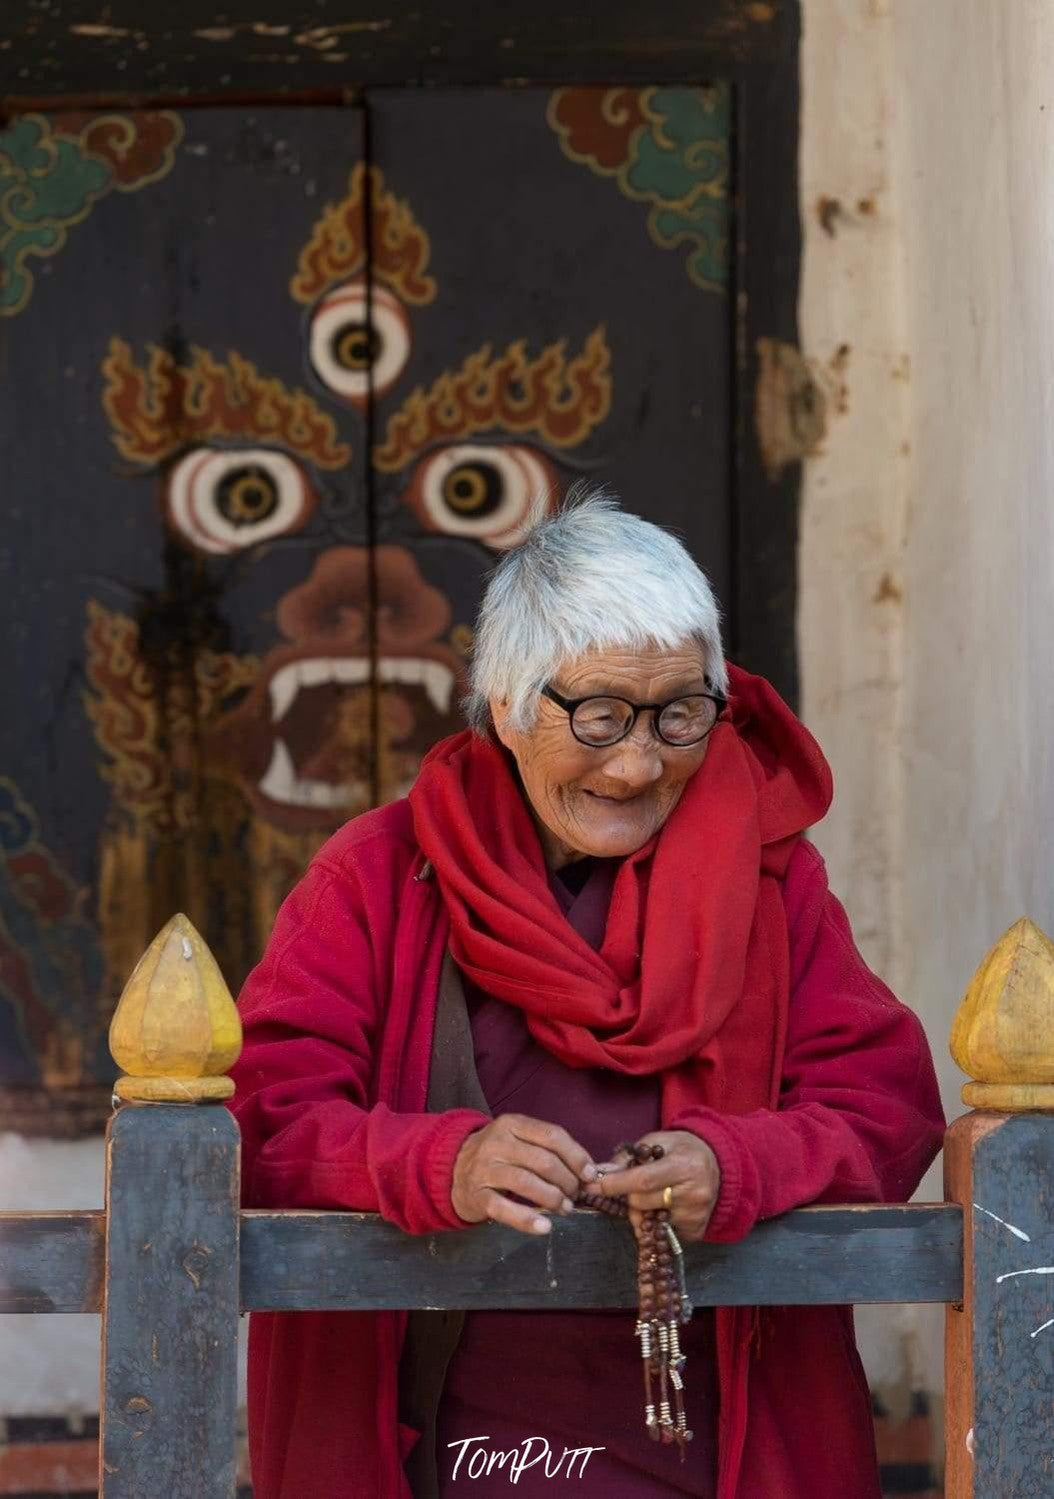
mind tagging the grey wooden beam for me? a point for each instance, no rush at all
(297, 1261)
(51, 1262)
(289, 1261)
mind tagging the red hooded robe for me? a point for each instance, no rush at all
(331, 1087)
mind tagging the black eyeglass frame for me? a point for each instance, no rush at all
(571, 705)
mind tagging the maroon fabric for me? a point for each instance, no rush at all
(330, 1095)
(520, 1076)
(571, 1382)
(572, 1379)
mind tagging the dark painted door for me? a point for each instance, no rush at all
(280, 385)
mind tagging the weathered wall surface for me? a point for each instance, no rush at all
(852, 331)
(927, 551)
(976, 180)
(851, 631)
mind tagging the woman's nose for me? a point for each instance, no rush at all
(638, 759)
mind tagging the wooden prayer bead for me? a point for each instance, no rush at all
(661, 1305)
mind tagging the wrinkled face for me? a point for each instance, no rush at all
(605, 802)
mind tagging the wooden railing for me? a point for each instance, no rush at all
(171, 1260)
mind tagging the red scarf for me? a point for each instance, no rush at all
(692, 979)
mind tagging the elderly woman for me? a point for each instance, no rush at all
(594, 920)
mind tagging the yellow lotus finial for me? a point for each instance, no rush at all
(1003, 1035)
(176, 1030)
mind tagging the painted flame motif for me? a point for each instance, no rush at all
(150, 738)
(157, 409)
(336, 250)
(561, 400)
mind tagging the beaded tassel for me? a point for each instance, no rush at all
(663, 1304)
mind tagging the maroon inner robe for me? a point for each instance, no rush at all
(573, 1378)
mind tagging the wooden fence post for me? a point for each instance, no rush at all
(999, 1164)
(168, 1397)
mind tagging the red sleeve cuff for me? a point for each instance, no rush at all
(736, 1210)
(453, 1128)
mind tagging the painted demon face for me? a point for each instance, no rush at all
(262, 483)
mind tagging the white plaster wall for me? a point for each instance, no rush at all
(931, 690)
(852, 515)
(49, 1364)
(976, 80)
(851, 616)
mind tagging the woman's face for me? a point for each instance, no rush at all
(605, 802)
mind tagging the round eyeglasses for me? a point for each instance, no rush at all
(602, 721)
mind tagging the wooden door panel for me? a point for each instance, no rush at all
(546, 223)
(579, 324)
(249, 533)
(177, 470)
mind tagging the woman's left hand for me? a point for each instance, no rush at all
(688, 1166)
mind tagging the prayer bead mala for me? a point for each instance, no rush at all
(663, 1308)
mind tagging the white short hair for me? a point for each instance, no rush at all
(591, 577)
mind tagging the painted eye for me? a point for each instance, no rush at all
(222, 500)
(353, 354)
(493, 494)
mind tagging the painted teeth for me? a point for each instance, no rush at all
(281, 784)
(433, 676)
(311, 673)
(280, 781)
(436, 679)
(286, 683)
(348, 669)
(283, 691)
(439, 684)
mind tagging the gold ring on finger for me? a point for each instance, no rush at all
(667, 1199)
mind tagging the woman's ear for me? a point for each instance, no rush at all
(499, 715)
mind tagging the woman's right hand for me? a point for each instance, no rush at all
(539, 1162)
